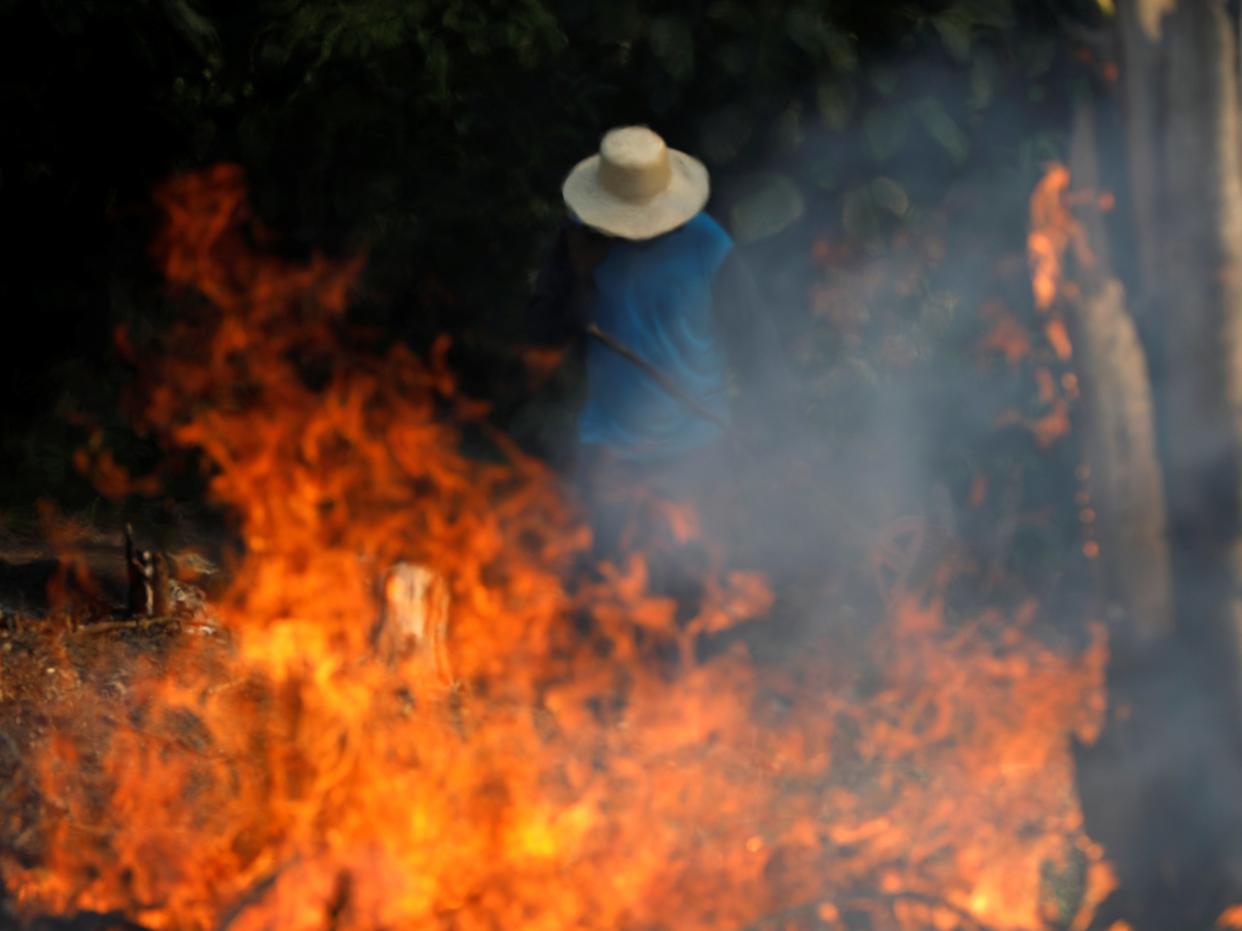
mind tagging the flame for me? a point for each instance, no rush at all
(1054, 233)
(585, 765)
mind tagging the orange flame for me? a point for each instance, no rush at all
(588, 767)
(1054, 231)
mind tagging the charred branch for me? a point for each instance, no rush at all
(149, 580)
(85, 921)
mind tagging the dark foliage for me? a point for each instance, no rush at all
(434, 135)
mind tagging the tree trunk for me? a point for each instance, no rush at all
(1202, 268)
(1142, 64)
(1118, 426)
(1160, 788)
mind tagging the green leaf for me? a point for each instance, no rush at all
(733, 58)
(858, 214)
(275, 52)
(788, 128)
(942, 127)
(622, 21)
(437, 71)
(984, 74)
(954, 27)
(957, 23)
(840, 50)
(723, 134)
(870, 211)
(195, 28)
(890, 196)
(826, 172)
(673, 45)
(772, 204)
(885, 129)
(996, 14)
(1038, 55)
(836, 102)
(884, 79)
(806, 29)
(731, 13)
(353, 45)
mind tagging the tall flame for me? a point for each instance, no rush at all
(590, 766)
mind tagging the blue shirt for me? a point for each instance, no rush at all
(655, 297)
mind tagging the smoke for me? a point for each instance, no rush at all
(896, 440)
(903, 470)
(875, 402)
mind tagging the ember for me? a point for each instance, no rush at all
(578, 760)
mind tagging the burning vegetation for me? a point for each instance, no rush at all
(542, 741)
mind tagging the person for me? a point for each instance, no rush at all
(675, 342)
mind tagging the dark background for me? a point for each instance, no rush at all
(434, 136)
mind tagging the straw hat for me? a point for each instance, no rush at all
(636, 187)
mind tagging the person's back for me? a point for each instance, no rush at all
(654, 297)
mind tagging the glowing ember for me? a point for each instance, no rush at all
(585, 767)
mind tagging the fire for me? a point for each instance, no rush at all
(586, 764)
(1054, 232)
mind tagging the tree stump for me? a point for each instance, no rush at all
(413, 624)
